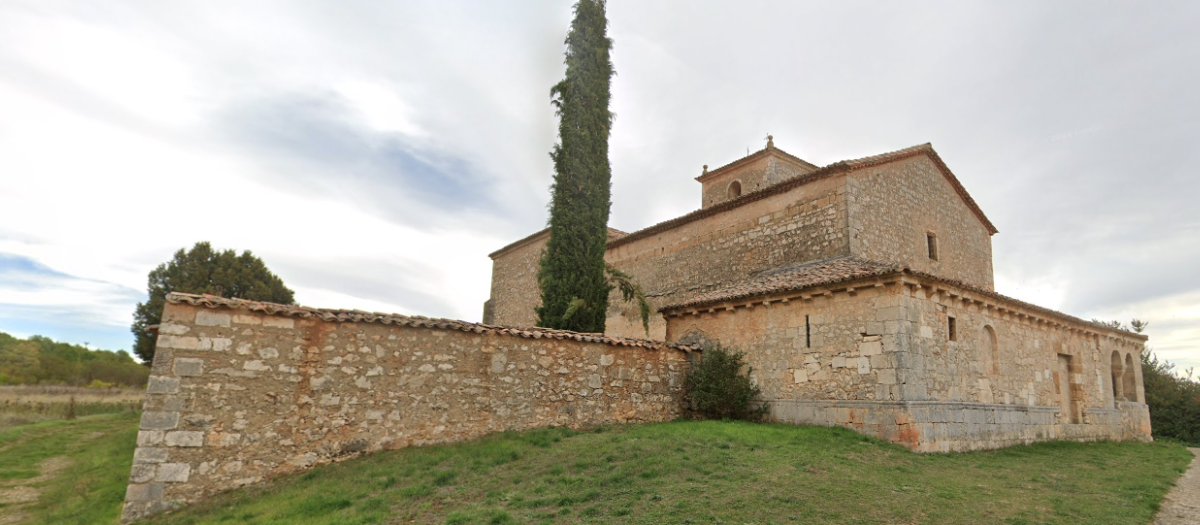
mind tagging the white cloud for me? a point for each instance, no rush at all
(120, 141)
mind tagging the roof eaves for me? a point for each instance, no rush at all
(711, 174)
(613, 234)
(901, 269)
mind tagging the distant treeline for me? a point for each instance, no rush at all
(41, 360)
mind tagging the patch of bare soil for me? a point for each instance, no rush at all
(17, 494)
(1182, 504)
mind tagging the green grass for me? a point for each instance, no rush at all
(711, 472)
(682, 472)
(90, 488)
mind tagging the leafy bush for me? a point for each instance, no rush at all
(717, 388)
(1174, 401)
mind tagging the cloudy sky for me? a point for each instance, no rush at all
(374, 153)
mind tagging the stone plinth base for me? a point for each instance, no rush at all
(937, 426)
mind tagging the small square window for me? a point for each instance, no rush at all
(931, 242)
(952, 329)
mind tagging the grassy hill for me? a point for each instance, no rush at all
(681, 472)
(713, 472)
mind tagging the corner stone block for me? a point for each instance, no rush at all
(184, 342)
(211, 318)
(144, 492)
(870, 348)
(144, 455)
(179, 314)
(149, 438)
(142, 473)
(174, 472)
(159, 420)
(184, 438)
(162, 385)
(173, 329)
(185, 367)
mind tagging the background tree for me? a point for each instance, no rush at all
(572, 272)
(1173, 399)
(203, 270)
(41, 360)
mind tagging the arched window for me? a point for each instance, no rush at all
(735, 189)
(1129, 380)
(991, 350)
(1118, 369)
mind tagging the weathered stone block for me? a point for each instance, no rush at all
(183, 342)
(142, 473)
(149, 438)
(800, 376)
(144, 492)
(184, 438)
(185, 366)
(278, 322)
(159, 420)
(870, 348)
(173, 329)
(247, 319)
(255, 365)
(217, 344)
(162, 385)
(142, 455)
(213, 318)
(173, 472)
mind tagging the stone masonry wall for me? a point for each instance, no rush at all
(828, 347)
(515, 291)
(752, 176)
(237, 395)
(1008, 358)
(877, 358)
(805, 224)
(893, 207)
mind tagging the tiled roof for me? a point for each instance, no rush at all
(755, 156)
(358, 316)
(845, 166)
(848, 269)
(613, 233)
(828, 271)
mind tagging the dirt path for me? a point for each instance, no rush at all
(1182, 504)
(18, 494)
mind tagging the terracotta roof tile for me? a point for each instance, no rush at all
(358, 316)
(828, 271)
(845, 166)
(848, 269)
(755, 156)
(613, 234)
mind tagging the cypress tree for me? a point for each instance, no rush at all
(571, 277)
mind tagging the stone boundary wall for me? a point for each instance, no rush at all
(242, 391)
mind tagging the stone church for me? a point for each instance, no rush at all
(862, 293)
